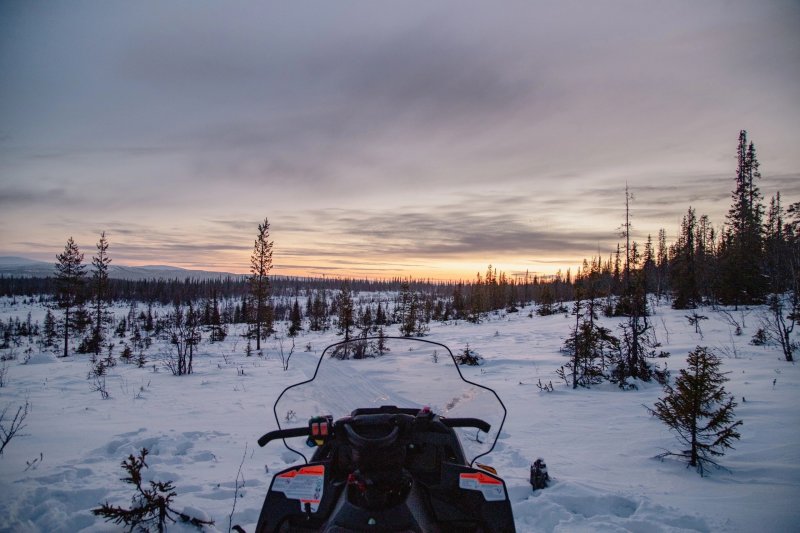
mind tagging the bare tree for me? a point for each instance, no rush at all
(184, 334)
(10, 429)
(285, 357)
(778, 324)
(731, 320)
(694, 320)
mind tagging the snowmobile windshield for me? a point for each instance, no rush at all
(406, 373)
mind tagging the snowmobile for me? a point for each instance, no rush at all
(396, 431)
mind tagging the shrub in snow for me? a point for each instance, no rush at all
(151, 505)
(10, 428)
(778, 323)
(759, 338)
(468, 357)
(635, 347)
(590, 347)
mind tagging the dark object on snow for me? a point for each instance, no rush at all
(387, 468)
(539, 475)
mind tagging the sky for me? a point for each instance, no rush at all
(415, 138)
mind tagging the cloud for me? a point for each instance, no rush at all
(18, 197)
(419, 130)
(453, 231)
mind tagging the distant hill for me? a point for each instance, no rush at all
(24, 267)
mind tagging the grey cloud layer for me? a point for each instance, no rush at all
(359, 119)
(446, 232)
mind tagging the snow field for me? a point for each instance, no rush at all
(598, 443)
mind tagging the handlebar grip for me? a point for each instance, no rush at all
(283, 434)
(467, 423)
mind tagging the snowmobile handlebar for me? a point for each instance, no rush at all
(283, 434)
(466, 423)
(388, 439)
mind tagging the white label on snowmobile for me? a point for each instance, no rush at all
(491, 488)
(304, 484)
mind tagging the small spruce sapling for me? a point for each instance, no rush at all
(468, 357)
(699, 411)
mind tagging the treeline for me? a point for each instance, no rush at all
(753, 259)
(755, 256)
(168, 291)
(446, 299)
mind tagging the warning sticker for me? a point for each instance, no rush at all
(491, 488)
(304, 484)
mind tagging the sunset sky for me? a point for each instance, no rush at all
(421, 138)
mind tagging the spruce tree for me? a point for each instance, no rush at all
(637, 343)
(49, 331)
(296, 319)
(699, 411)
(683, 267)
(706, 258)
(649, 266)
(344, 312)
(791, 259)
(380, 316)
(69, 282)
(407, 310)
(589, 345)
(319, 312)
(662, 264)
(260, 265)
(365, 320)
(477, 301)
(218, 331)
(193, 334)
(100, 264)
(741, 254)
(777, 253)
(546, 301)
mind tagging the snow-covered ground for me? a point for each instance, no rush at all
(599, 443)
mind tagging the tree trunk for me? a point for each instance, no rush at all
(66, 332)
(258, 325)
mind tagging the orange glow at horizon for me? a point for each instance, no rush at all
(445, 271)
